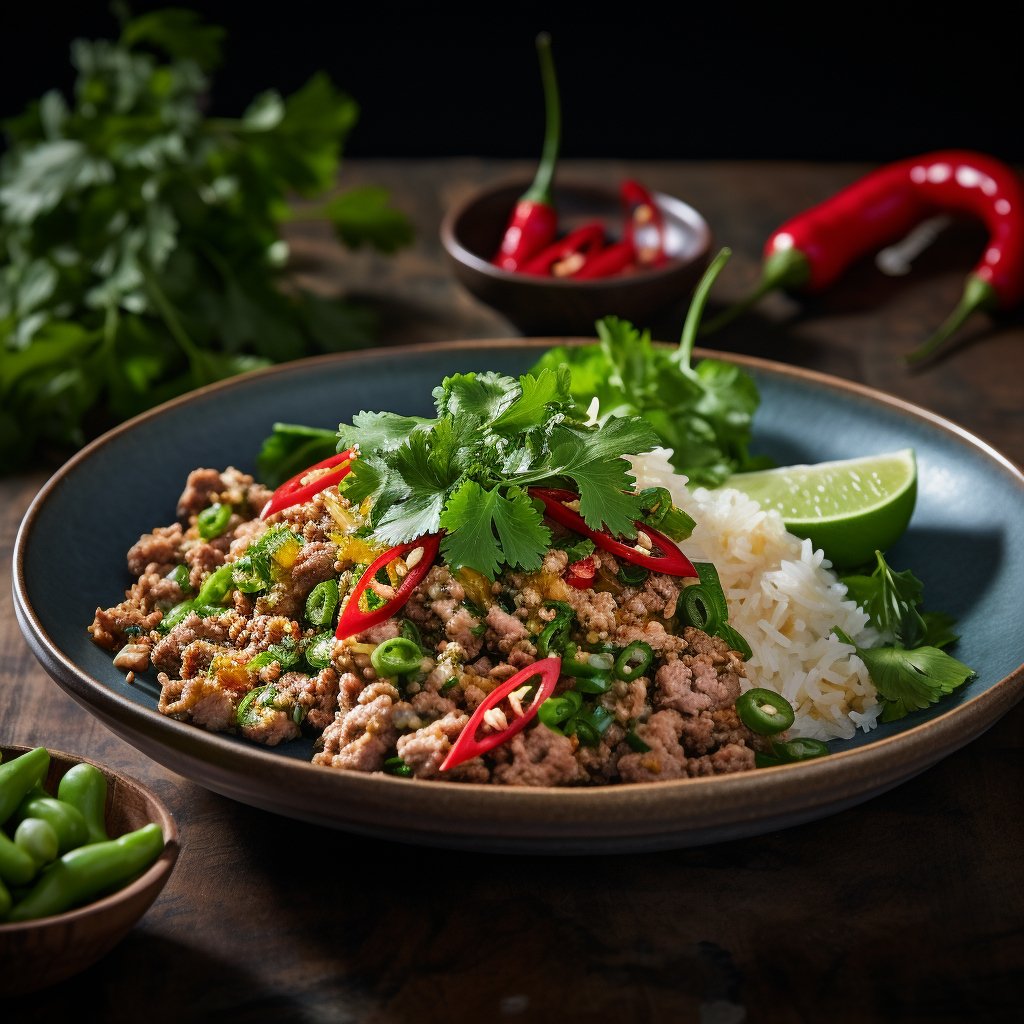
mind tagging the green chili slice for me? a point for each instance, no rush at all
(633, 575)
(635, 743)
(396, 657)
(764, 711)
(586, 665)
(213, 521)
(590, 724)
(216, 586)
(634, 660)
(554, 635)
(321, 603)
(285, 652)
(662, 514)
(246, 713)
(396, 766)
(180, 575)
(704, 604)
(557, 710)
(735, 641)
(320, 649)
(791, 751)
(251, 573)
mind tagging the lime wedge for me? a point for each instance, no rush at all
(848, 507)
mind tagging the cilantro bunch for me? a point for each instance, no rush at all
(467, 471)
(704, 412)
(141, 250)
(909, 668)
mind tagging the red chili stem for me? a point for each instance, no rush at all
(294, 492)
(469, 745)
(355, 619)
(672, 561)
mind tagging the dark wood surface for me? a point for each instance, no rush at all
(909, 907)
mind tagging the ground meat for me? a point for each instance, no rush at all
(159, 551)
(665, 760)
(426, 748)
(200, 700)
(166, 655)
(537, 757)
(474, 635)
(698, 682)
(362, 738)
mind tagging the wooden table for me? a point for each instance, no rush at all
(909, 907)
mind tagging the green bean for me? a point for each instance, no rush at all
(67, 821)
(18, 776)
(83, 874)
(84, 786)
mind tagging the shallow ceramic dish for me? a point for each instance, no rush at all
(36, 954)
(69, 558)
(471, 232)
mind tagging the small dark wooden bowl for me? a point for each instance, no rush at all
(36, 954)
(472, 231)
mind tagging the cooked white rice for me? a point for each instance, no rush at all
(784, 599)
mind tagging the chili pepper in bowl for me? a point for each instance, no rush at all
(812, 250)
(568, 255)
(534, 221)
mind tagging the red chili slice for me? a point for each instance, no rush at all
(671, 561)
(581, 574)
(469, 745)
(294, 492)
(355, 619)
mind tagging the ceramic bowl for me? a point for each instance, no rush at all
(472, 230)
(37, 954)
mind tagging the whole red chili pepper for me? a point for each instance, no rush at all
(564, 257)
(810, 251)
(469, 745)
(534, 220)
(294, 492)
(354, 618)
(671, 560)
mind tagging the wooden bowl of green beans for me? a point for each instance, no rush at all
(72, 887)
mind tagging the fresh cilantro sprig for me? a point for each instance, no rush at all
(467, 470)
(143, 241)
(909, 669)
(703, 412)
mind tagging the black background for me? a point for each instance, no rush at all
(830, 82)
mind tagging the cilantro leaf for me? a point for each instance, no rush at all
(890, 599)
(380, 430)
(703, 413)
(910, 680)
(537, 394)
(466, 472)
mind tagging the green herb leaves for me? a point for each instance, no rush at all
(142, 240)
(910, 671)
(466, 472)
(703, 413)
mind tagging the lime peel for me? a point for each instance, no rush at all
(849, 508)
